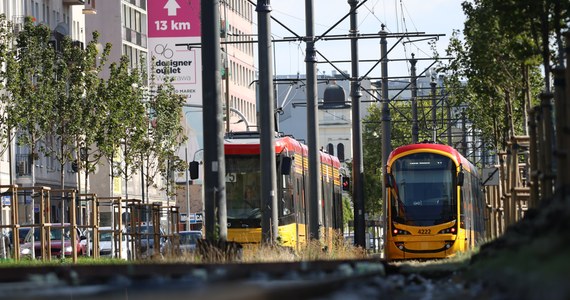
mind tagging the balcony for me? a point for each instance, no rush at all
(73, 2)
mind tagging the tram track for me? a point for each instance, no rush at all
(285, 280)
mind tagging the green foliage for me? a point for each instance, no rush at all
(61, 107)
(496, 70)
(30, 73)
(347, 210)
(93, 105)
(165, 131)
(75, 121)
(124, 124)
(5, 44)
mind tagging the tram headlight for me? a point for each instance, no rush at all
(397, 231)
(451, 230)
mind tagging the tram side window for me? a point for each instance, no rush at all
(287, 205)
(467, 203)
(299, 202)
(326, 191)
(477, 204)
(462, 207)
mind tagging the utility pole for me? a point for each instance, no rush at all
(449, 131)
(214, 163)
(269, 221)
(314, 191)
(386, 120)
(463, 133)
(433, 110)
(415, 127)
(357, 162)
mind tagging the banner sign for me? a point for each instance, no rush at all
(172, 22)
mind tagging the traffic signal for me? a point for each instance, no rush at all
(345, 183)
(193, 168)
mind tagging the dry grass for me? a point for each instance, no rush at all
(228, 252)
(314, 250)
(337, 249)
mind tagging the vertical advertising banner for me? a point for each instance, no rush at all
(172, 22)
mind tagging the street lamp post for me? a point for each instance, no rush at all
(187, 189)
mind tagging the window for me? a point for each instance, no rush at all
(330, 149)
(138, 23)
(127, 15)
(340, 151)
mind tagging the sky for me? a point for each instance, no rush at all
(436, 17)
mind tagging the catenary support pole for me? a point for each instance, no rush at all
(314, 190)
(269, 221)
(214, 163)
(357, 163)
(386, 120)
(433, 110)
(415, 127)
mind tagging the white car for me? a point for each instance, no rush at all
(109, 246)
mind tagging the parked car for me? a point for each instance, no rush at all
(56, 232)
(147, 234)
(108, 247)
(22, 232)
(188, 240)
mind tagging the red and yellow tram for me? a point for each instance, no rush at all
(243, 186)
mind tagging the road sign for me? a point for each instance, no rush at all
(195, 218)
(490, 176)
(173, 18)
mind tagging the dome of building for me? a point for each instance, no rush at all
(334, 97)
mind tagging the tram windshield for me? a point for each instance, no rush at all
(423, 192)
(243, 186)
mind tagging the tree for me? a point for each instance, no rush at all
(48, 81)
(29, 76)
(75, 120)
(5, 50)
(124, 123)
(165, 132)
(496, 71)
(92, 111)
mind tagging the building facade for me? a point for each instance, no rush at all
(239, 76)
(238, 59)
(124, 25)
(334, 111)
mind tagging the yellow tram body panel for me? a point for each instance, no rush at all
(425, 242)
(291, 235)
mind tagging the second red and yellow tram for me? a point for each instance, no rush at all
(243, 186)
